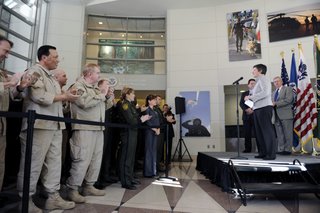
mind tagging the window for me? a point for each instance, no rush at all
(126, 45)
(19, 24)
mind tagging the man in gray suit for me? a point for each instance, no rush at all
(283, 115)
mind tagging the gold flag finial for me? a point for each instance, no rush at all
(299, 46)
(292, 50)
(282, 54)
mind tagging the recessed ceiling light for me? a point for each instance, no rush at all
(122, 35)
(140, 36)
(161, 35)
(100, 33)
(104, 1)
(100, 22)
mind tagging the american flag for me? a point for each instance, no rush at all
(293, 83)
(306, 111)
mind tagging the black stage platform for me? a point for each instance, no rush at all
(214, 165)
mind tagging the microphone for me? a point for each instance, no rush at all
(237, 81)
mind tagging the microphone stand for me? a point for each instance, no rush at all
(238, 125)
(167, 159)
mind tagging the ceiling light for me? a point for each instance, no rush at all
(161, 35)
(100, 22)
(100, 33)
(99, 1)
(122, 35)
(140, 36)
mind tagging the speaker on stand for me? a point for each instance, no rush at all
(180, 105)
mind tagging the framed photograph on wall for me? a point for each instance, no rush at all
(294, 23)
(244, 42)
(196, 120)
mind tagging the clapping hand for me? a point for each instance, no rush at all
(14, 79)
(28, 79)
(71, 95)
(145, 118)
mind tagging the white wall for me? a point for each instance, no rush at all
(197, 54)
(66, 31)
(197, 45)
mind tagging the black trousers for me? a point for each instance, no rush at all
(248, 127)
(265, 132)
(128, 153)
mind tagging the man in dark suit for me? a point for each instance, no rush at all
(247, 117)
(170, 120)
(283, 116)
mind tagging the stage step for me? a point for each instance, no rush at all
(294, 187)
(307, 185)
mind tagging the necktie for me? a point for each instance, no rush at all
(276, 95)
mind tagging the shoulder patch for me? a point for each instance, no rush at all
(125, 106)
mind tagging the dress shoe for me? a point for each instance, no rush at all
(259, 156)
(135, 182)
(110, 180)
(101, 185)
(246, 151)
(130, 187)
(285, 153)
(269, 158)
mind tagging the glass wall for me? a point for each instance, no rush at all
(123, 45)
(19, 22)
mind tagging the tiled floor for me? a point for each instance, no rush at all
(196, 194)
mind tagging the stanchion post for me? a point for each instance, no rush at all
(27, 163)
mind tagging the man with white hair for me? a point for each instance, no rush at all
(87, 140)
(283, 99)
(61, 76)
